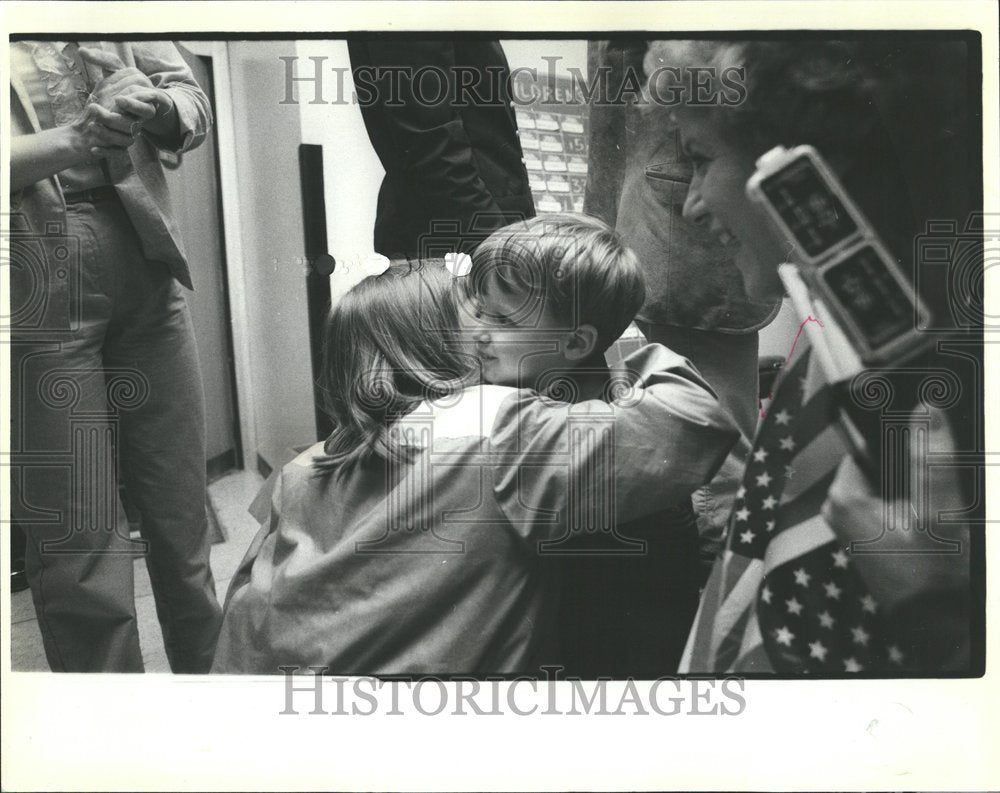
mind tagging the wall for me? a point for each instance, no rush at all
(267, 136)
(351, 169)
(195, 203)
(528, 53)
(267, 133)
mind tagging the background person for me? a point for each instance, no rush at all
(696, 303)
(87, 122)
(440, 116)
(787, 595)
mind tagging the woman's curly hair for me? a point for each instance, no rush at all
(887, 115)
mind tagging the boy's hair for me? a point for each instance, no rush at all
(572, 263)
(390, 343)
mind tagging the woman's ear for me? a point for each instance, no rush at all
(579, 344)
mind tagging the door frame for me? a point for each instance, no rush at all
(232, 229)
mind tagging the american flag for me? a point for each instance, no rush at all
(783, 597)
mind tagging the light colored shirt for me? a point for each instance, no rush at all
(136, 174)
(54, 77)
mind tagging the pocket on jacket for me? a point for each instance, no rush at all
(669, 183)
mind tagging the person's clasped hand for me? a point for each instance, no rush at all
(101, 132)
(124, 103)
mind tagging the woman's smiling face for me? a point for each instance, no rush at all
(717, 199)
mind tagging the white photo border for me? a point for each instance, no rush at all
(74, 732)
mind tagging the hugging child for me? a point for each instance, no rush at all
(406, 542)
(548, 297)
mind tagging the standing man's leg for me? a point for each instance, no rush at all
(78, 557)
(163, 453)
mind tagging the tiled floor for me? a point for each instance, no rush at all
(230, 495)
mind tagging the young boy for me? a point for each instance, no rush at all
(547, 298)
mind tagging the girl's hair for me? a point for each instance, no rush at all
(573, 263)
(389, 344)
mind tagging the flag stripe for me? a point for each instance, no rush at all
(733, 566)
(729, 648)
(696, 649)
(699, 646)
(739, 599)
(811, 464)
(751, 635)
(797, 540)
(807, 504)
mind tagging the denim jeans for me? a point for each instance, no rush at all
(117, 397)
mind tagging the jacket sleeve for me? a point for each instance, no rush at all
(560, 466)
(429, 139)
(165, 67)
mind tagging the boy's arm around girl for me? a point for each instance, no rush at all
(658, 436)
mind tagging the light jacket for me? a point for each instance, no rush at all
(137, 175)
